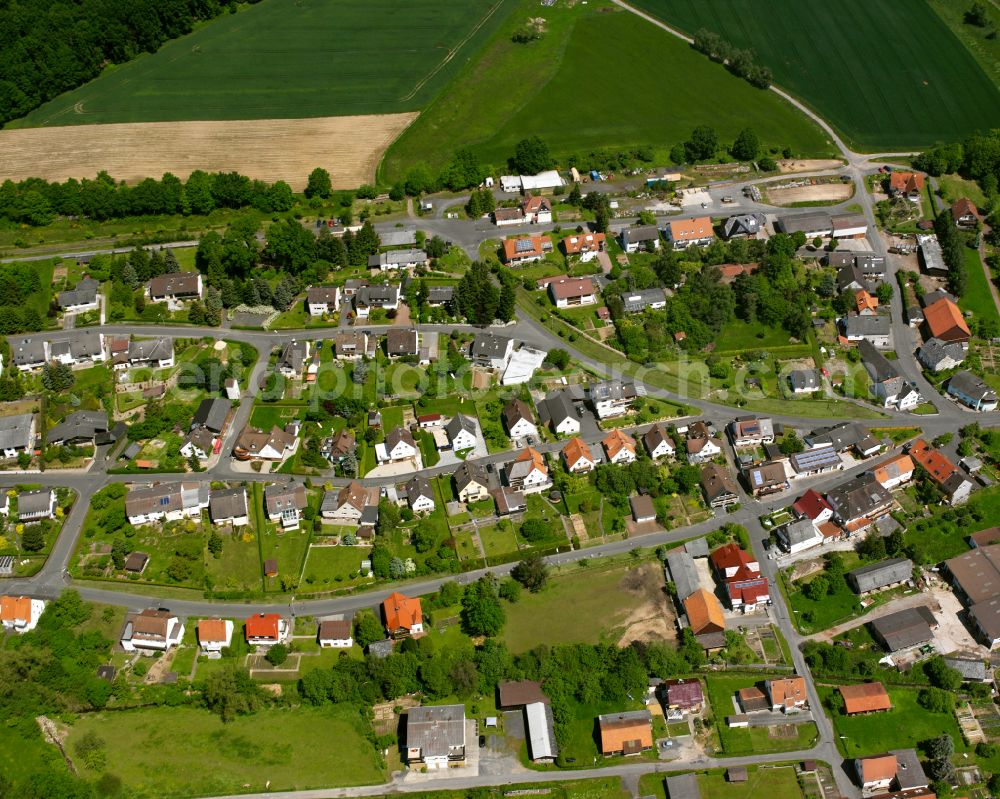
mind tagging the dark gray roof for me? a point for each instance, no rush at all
(32, 502)
(858, 497)
(878, 366)
(804, 379)
(15, 431)
(378, 295)
(212, 413)
(156, 349)
(489, 345)
(437, 295)
(881, 574)
(419, 487)
(636, 301)
(435, 729)
(905, 628)
(78, 425)
(815, 459)
(26, 351)
(971, 386)
(557, 407)
(639, 233)
(934, 351)
(807, 223)
(683, 786)
(748, 224)
(85, 293)
(227, 503)
(909, 772)
(867, 326)
(970, 669)
(842, 436)
(293, 356)
(470, 472)
(611, 390)
(799, 531)
(683, 574)
(458, 423)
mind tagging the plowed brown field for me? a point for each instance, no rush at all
(269, 149)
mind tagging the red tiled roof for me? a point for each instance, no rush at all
(944, 320)
(811, 504)
(868, 697)
(401, 612)
(263, 625)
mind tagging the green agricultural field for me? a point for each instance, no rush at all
(978, 298)
(855, 63)
(290, 60)
(274, 748)
(599, 77)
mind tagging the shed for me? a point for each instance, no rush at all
(271, 568)
(736, 774)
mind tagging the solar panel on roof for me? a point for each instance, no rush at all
(524, 245)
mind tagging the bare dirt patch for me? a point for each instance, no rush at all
(268, 149)
(650, 618)
(820, 192)
(809, 165)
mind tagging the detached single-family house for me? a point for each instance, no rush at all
(805, 381)
(906, 184)
(20, 614)
(335, 634)
(875, 329)
(17, 434)
(420, 495)
(768, 478)
(658, 442)
(567, 292)
(403, 615)
(399, 445)
(436, 736)
(491, 350)
(812, 506)
(525, 249)
(559, 412)
(348, 505)
(751, 431)
(461, 432)
(151, 629)
(229, 506)
(682, 233)
(367, 298)
(351, 345)
(740, 574)
(33, 506)
(945, 474)
(175, 287)
(80, 427)
(577, 456)
(471, 482)
(894, 472)
(284, 503)
(718, 486)
(749, 225)
(214, 635)
(528, 472)
(152, 352)
(503, 217)
(536, 210)
(626, 733)
(639, 301)
(798, 536)
(701, 445)
(212, 414)
(322, 300)
(266, 629)
(401, 342)
(787, 694)
(292, 361)
(640, 237)
(611, 398)
(397, 259)
(81, 298)
(965, 213)
(586, 245)
(939, 356)
(972, 391)
(519, 420)
(29, 353)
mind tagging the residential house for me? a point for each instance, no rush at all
(658, 442)
(420, 495)
(491, 350)
(748, 225)
(943, 320)
(85, 348)
(471, 482)
(619, 447)
(842, 437)
(718, 486)
(940, 356)
(640, 237)
(817, 460)
(625, 733)
(383, 297)
(20, 614)
(972, 391)
(729, 272)
(787, 694)
(435, 736)
(886, 383)
(519, 420)
(29, 353)
(153, 352)
(350, 345)
(965, 213)
(704, 613)
(859, 502)
(682, 233)
(292, 361)
(586, 245)
(33, 506)
(348, 504)
(266, 629)
(906, 184)
(684, 696)
(276, 445)
(398, 446)
(941, 471)
(768, 478)
(175, 287)
(898, 770)
(339, 448)
(403, 615)
(401, 342)
(639, 301)
(229, 506)
(322, 300)
(166, 502)
(284, 503)
(17, 434)
(212, 414)
(502, 217)
(151, 629)
(875, 329)
(811, 505)
(881, 575)
(536, 210)
(525, 249)
(805, 381)
(508, 501)
(851, 278)
(558, 411)
(577, 456)
(702, 446)
(740, 574)
(751, 431)
(440, 296)
(81, 298)
(865, 304)
(798, 536)
(894, 472)
(214, 635)
(528, 472)
(335, 634)
(462, 432)
(866, 697)
(80, 427)
(398, 259)
(611, 398)
(569, 292)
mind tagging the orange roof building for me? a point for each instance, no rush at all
(869, 697)
(865, 304)
(787, 693)
(211, 630)
(15, 612)
(689, 231)
(627, 733)
(944, 320)
(619, 447)
(704, 613)
(265, 628)
(894, 471)
(577, 456)
(935, 463)
(877, 770)
(906, 182)
(524, 249)
(403, 615)
(580, 243)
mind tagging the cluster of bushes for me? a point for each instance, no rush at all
(740, 62)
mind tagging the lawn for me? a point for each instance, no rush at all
(904, 726)
(954, 187)
(977, 297)
(325, 565)
(578, 606)
(266, 416)
(755, 740)
(275, 60)
(775, 782)
(238, 566)
(514, 90)
(942, 95)
(273, 749)
(739, 337)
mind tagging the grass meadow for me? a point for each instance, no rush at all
(289, 60)
(888, 75)
(599, 77)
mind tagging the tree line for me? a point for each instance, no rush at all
(742, 63)
(51, 46)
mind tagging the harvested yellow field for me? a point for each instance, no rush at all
(269, 149)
